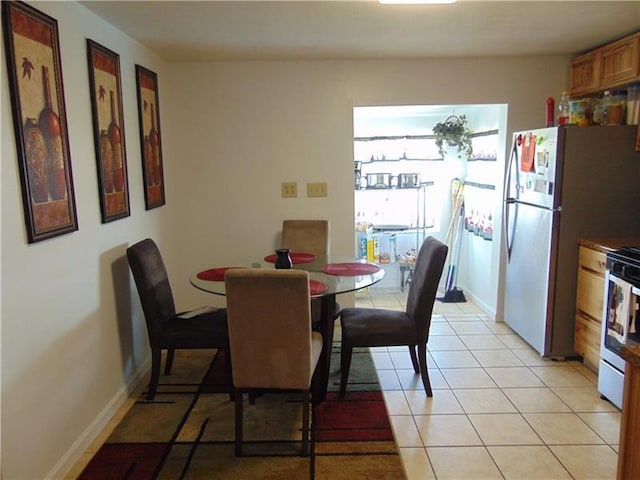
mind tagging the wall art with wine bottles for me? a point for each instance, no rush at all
(150, 137)
(108, 131)
(32, 51)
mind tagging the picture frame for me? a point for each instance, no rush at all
(34, 68)
(108, 131)
(150, 137)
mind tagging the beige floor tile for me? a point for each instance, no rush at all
(562, 429)
(605, 424)
(514, 377)
(388, 380)
(531, 358)
(504, 429)
(463, 317)
(396, 403)
(445, 342)
(446, 431)
(536, 400)
(442, 402)
(454, 359)
(382, 360)
(410, 380)
(588, 462)
(497, 358)
(467, 378)
(401, 359)
(563, 376)
(470, 328)
(405, 431)
(587, 372)
(584, 399)
(528, 463)
(438, 318)
(446, 308)
(469, 307)
(468, 463)
(482, 342)
(484, 400)
(513, 341)
(499, 327)
(440, 328)
(416, 464)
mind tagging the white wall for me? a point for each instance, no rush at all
(72, 335)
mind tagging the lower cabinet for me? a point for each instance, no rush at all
(589, 302)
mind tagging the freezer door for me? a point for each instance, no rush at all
(528, 272)
(531, 172)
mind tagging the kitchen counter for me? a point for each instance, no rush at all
(628, 459)
(606, 245)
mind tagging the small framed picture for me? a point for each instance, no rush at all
(108, 131)
(150, 137)
(32, 51)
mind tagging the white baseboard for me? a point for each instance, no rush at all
(84, 441)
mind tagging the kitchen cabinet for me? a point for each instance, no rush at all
(589, 302)
(614, 65)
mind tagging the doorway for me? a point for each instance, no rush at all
(404, 191)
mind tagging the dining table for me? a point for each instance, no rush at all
(328, 277)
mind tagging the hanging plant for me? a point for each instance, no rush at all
(454, 133)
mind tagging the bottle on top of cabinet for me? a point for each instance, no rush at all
(563, 109)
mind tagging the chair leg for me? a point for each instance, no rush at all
(238, 446)
(305, 423)
(414, 359)
(345, 365)
(168, 363)
(312, 453)
(156, 358)
(424, 372)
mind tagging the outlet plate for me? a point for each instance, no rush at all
(289, 189)
(317, 189)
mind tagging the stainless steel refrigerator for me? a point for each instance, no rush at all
(562, 184)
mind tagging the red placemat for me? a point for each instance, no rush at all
(350, 268)
(214, 274)
(295, 257)
(316, 287)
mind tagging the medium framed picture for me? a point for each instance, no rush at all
(108, 131)
(150, 137)
(32, 51)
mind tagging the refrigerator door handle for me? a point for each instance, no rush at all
(508, 232)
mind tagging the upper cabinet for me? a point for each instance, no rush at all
(608, 67)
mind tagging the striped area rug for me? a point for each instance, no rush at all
(187, 431)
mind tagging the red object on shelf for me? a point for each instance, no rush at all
(550, 112)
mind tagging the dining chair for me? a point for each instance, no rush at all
(306, 236)
(271, 342)
(167, 329)
(374, 327)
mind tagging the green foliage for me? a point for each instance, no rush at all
(454, 132)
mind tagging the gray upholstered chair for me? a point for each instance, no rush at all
(373, 327)
(271, 342)
(166, 330)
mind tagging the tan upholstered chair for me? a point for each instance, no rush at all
(306, 236)
(271, 342)
(165, 329)
(373, 327)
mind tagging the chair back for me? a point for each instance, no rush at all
(153, 285)
(307, 236)
(424, 284)
(268, 312)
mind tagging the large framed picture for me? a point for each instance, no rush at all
(108, 131)
(150, 138)
(32, 50)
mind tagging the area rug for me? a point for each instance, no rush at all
(187, 431)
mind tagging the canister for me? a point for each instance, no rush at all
(616, 107)
(580, 112)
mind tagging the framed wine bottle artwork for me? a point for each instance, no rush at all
(150, 137)
(32, 51)
(108, 131)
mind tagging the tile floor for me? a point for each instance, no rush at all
(499, 410)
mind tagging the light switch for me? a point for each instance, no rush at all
(317, 189)
(289, 189)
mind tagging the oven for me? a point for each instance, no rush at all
(621, 319)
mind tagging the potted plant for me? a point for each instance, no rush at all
(454, 132)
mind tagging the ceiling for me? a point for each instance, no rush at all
(196, 31)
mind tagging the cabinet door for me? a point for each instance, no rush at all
(590, 296)
(584, 76)
(620, 62)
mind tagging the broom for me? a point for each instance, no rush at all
(453, 294)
